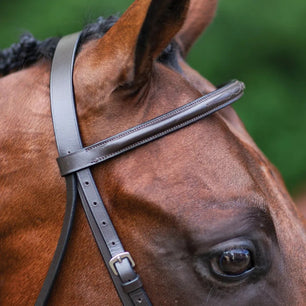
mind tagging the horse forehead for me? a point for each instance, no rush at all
(201, 161)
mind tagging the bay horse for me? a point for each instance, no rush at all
(205, 215)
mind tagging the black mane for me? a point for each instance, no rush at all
(29, 50)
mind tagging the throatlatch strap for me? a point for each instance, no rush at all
(45, 291)
(118, 262)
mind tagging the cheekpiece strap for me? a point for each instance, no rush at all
(118, 262)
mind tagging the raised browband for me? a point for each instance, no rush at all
(152, 129)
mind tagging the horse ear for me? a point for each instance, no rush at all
(163, 20)
(199, 16)
(126, 52)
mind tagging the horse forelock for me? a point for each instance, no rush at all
(29, 50)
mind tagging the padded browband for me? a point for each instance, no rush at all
(151, 130)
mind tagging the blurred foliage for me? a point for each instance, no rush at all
(262, 43)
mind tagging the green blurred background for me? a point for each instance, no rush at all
(262, 43)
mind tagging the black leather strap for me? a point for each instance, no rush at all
(151, 130)
(74, 162)
(64, 147)
(62, 243)
(126, 281)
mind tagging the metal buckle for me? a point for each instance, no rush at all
(119, 258)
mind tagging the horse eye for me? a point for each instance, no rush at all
(235, 262)
(232, 263)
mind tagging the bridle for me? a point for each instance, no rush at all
(75, 161)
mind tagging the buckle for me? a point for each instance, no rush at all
(119, 258)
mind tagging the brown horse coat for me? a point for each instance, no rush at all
(174, 202)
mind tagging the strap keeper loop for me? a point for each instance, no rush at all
(133, 285)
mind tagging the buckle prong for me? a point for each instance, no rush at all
(119, 258)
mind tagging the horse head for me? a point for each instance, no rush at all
(204, 213)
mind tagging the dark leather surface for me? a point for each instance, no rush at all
(64, 71)
(62, 243)
(151, 130)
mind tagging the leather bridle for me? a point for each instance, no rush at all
(75, 161)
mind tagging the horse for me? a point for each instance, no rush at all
(206, 217)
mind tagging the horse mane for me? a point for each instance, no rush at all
(29, 50)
